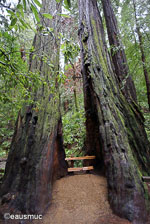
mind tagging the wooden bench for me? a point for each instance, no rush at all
(74, 169)
(146, 179)
(80, 168)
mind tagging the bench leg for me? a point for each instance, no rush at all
(72, 164)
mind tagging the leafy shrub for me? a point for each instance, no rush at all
(74, 131)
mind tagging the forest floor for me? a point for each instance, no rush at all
(77, 199)
(80, 199)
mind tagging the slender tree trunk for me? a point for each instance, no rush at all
(121, 141)
(74, 86)
(143, 58)
(36, 156)
(117, 52)
(75, 97)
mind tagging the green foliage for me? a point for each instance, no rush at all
(70, 50)
(17, 17)
(130, 39)
(16, 83)
(48, 16)
(74, 129)
(66, 3)
(7, 122)
(64, 15)
(35, 12)
(38, 3)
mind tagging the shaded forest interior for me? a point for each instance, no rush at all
(80, 134)
(71, 86)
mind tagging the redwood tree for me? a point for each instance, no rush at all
(120, 140)
(143, 58)
(117, 52)
(36, 156)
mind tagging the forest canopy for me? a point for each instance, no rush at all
(19, 21)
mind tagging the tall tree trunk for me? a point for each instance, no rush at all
(143, 58)
(36, 156)
(117, 52)
(121, 139)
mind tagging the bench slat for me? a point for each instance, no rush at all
(80, 168)
(80, 158)
(146, 179)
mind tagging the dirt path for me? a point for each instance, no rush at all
(80, 199)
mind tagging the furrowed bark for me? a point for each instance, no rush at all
(118, 53)
(37, 157)
(119, 125)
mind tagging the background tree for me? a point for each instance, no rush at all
(143, 57)
(126, 17)
(117, 52)
(127, 25)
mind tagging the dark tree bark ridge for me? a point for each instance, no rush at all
(122, 139)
